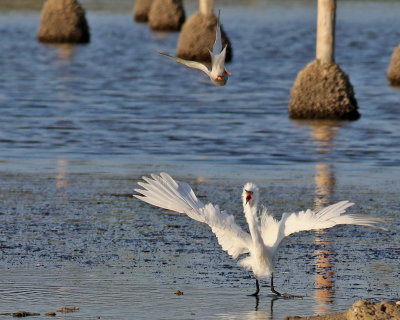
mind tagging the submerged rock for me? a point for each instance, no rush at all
(141, 10)
(323, 91)
(393, 72)
(198, 35)
(166, 15)
(63, 21)
(362, 310)
(21, 314)
(50, 314)
(68, 309)
(178, 293)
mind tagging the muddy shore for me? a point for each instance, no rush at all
(362, 310)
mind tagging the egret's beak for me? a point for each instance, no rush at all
(228, 72)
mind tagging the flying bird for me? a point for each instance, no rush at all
(266, 233)
(218, 74)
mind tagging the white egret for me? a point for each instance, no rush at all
(266, 233)
(218, 74)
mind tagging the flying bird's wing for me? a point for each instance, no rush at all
(217, 48)
(190, 64)
(164, 192)
(273, 231)
(218, 54)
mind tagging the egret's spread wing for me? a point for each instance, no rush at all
(217, 48)
(164, 192)
(312, 220)
(190, 64)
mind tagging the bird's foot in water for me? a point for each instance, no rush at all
(286, 295)
(255, 294)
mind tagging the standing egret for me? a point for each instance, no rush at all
(266, 233)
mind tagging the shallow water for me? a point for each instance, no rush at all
(81, 124)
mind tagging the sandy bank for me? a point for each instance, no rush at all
(362, 310)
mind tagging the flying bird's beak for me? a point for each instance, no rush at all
(248, 196)
(228, 72)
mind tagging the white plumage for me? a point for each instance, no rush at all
(218, 74)
(266, 233)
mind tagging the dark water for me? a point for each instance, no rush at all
(81, 124)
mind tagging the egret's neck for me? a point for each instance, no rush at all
(253, 222)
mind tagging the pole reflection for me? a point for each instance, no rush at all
(323, 135)
(64, 53)
(61, 176)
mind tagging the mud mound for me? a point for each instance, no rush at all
(323, 91)
(197, 36)
(166, 15)
(362, 310)
(368, 310)
(393, 73)
(63, 21)
(141, 10)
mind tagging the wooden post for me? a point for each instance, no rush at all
(206, 7)
(325, 48)
(322, 90)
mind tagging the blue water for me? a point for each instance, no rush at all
(81, 124)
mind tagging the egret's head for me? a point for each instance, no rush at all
(250, 195)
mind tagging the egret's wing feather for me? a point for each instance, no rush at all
(269, 229)
(168, 194)
(164, 192)
(230, 236)
(313, 220)
(217, 48)
(188, 63)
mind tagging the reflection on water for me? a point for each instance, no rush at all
(61, 176)
(323, 134)
(64, 53)
(324, 276)
(265, 312)
(324, 184)
(249, 315)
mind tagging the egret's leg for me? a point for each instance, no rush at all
(272, 286)
(255, 294)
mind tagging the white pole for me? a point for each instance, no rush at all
(325, 48)
(206, 7)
